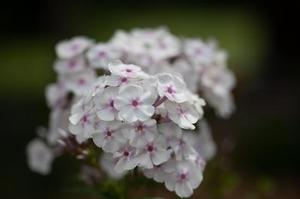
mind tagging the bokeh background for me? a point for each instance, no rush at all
(258, 155)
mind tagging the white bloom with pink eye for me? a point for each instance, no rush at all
(70, 48)
(198, 52)
(140, 133)
(39, 156)
(153, 153)
(217, 84)
(171, 86)
(101, 54)
(125, 70)
(80, 82)
(183, 178)
(122, 41)
(56, 95)
(82, 119)
(66, 66)
(219, 80)
(158, 43)
(108, 136)
(125, 159)
(134, 103)
(104, 102)
(183, 114)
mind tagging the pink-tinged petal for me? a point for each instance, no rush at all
(145, 160)
(128, 114)
(170, 183)
(98, 139)
(160, 157)
(148, 110)
(120, 165)
(183, 190)
(120, 102)
(75, 118)
(111, 146)
(106, 114)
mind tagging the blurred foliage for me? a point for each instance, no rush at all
(26, 63)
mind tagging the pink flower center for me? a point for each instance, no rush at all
(101, 54)
(124, 79)
(84, 119)
(183, 176)
(170, 90)
(126, 153)
(108, 133)
(81, 81)
(128, 70)
(134, 103)
(111, 103)
(198, 51)
(72, 64)
(140, 128)
(74, 47)
(150, 148)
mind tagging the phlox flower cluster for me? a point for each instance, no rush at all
(140, 112)
(141, 123)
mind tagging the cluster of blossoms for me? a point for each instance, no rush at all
(141, 111)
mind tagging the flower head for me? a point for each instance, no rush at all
(73, 47)
(40, 156)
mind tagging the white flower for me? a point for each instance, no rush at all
(140, 133)
(108, 136)
(125, 70)
(171, 86)
(73, 47)
(183, 114)
(82, 119)
(156, 43)
(218, 80)
(122, 41)
(134, 103)
(198, 52)
(65, 66)
(104, 101)
(58, 121)
(183, 177)
(39, 156)
(153, 153)
(223, 104)
(125, 159)
(80, 82)
(56, 95)
(101, 55)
